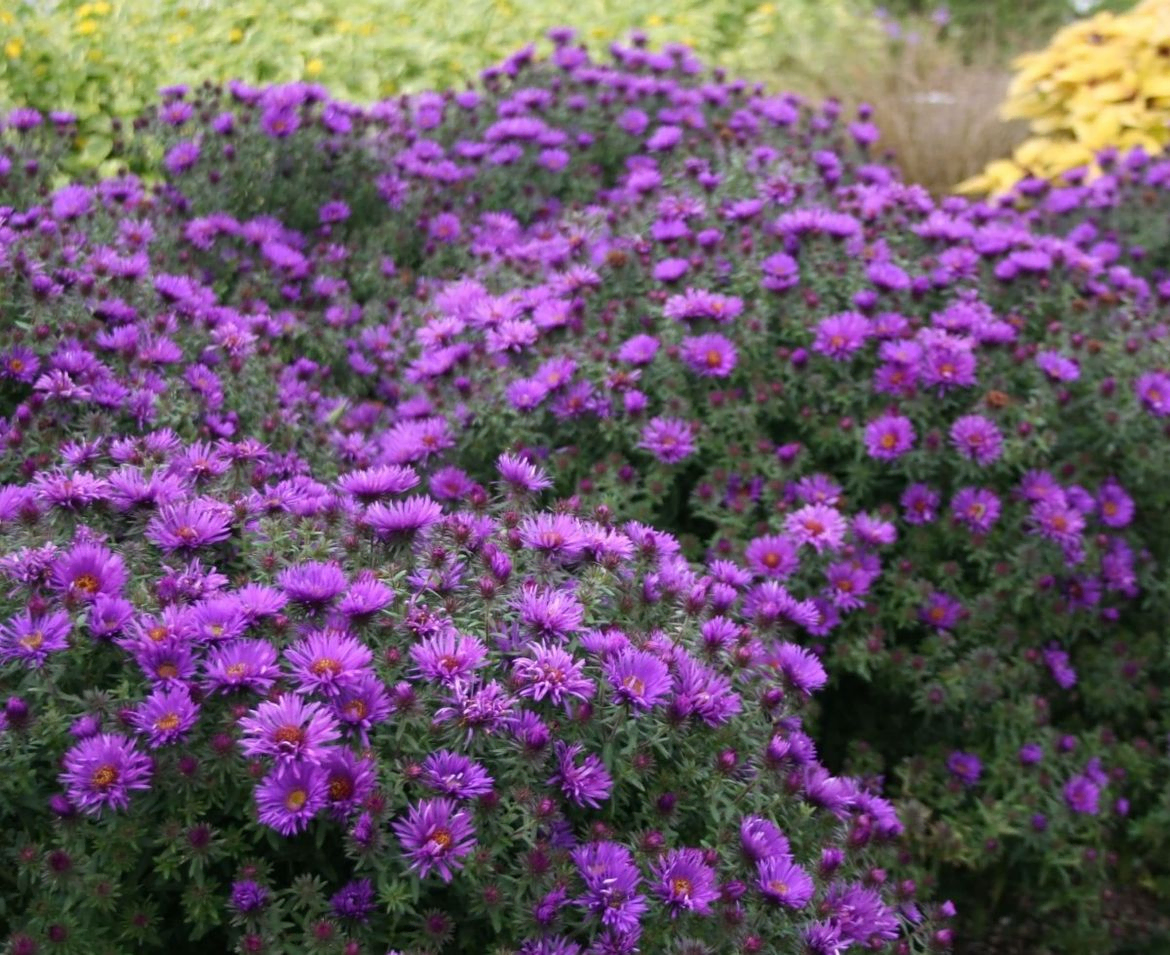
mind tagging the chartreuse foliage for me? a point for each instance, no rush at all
(105, 60)
(1103, 81)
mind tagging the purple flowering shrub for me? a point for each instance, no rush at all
(365, 717)
(922, 441)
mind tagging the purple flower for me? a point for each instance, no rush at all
(587, 784)
(611, 881)
(448, 657)
(801, 668)
(668, 439)
(241, 665)
(354, 901)
(289, 729)
(289, 797)
(552, 672)
(965, 767)
(101, 771)
(819, 526)
(977, 508)
(1116, 508)
(520, 475)
(1081, 795)
(783, 882)
(1030, 754)
(1153, 391)
(889, 437)
(638, 678)
(405, 518)
(453, 774)
(1058, 367)
(88, 570)
(248, 896)
(348, 780)
(712, 356)
(1058, 665)
(839, 336)
(919, 504)
(327, 661)
(773, 556)
(313, 584)
(761, 839)
(685, 882)
(781, 272)
(977, 439)
(188, 526)
(435, 835)
(30, 639)
(166, 716)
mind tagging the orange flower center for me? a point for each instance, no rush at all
(634, 685)
(157, 634)
(167, 671)
(289, 734)
(888, 440)
(355, 710)
(442, 838)
(780, 888)
(33, 641)
(771, 560)
(237, 670)
(186, 533)
(714, 359)
(166, 722)
(681, 886)
(87, 583)
(813, 526)
(296, 799)
(325, 665)
(340, 787)
(104, 776)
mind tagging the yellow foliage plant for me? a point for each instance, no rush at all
(1102, 82)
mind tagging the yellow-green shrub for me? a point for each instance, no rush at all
(1103, 81)
(106, 59)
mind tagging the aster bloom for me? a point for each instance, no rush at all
(189, 525)
(611, 880)
(241, 665)
(314, 584)
(782, 882)
(102, 770)
(819, 526)
(587, 784)
(1153, 391)
(941, 611)
(289, 729)
(327, 661)
(638, 678)
(1061, 669)
(166, 716)
(354, 901)
(435, 835)
(405, 518)
(362, 703)
(762, 839)
(977, 508)
(889, 437)
(772, 556)
(685, 883)
(801, 668)
(453, 774)
(87, 570)
(349, 780)
(977, 439)
(668, 439)
(371, 484)
(290, 796)
(711, 356)
(30, 638)
(549, 614)
(965, 767)
(840, 336)
(1058, 367)
(919, 504)
(448, 657)
(1115, 507)
(558, 536)
(248, 896)
(520, 475)
(551, 672)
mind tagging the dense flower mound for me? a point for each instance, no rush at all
(394, 721)
(918, 446)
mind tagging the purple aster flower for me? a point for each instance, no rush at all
(435, 835)
(361, 703)
(364, 598)
(453, 774)
(941, 611)
(1058, 521)
(1058, 367)
(313, 584)
(782, 882)
(587, 784)
(289, 729)
(248, 896)
(451, 484)
(780, 271)
(965, 767)
(405, 518)
(290, 796)
(448, 657)
(1081, 795)
(1116, 508)
(557, 536)
(102, 770)
(919, 504)
(30, 638)
(354, 901)
(326, 661)
(611, 881)
(639, 350)
(639, 679)
(1058, 665)
(819, 526)
(773, 556)
(349, 780)
(552, 672)
(241, 665)
(1153, 391)
(977, 439)
(385, 480)
(670, 270)
(1030, 754)
(702, 692)
(668, 439)
(801, 668)
(521, 476)
(889, 437)
(977, 508)
(840, 336)
(549, 614)
(685, 882)
(166, 716)
(712, 356)
(189, 525)
(761, 839)
(87, 570)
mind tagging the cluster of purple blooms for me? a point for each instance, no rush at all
(907, 425)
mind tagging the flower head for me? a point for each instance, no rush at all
(102, 770)
(435, 835)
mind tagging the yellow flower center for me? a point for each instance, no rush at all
(104, 776)
(296, 799)
(87, 583)
(168, 721)
(289, 734)
(34, 641)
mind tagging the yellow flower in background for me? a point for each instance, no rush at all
(87, 27)
(314, 67)
(13, 48)
(235, 35)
